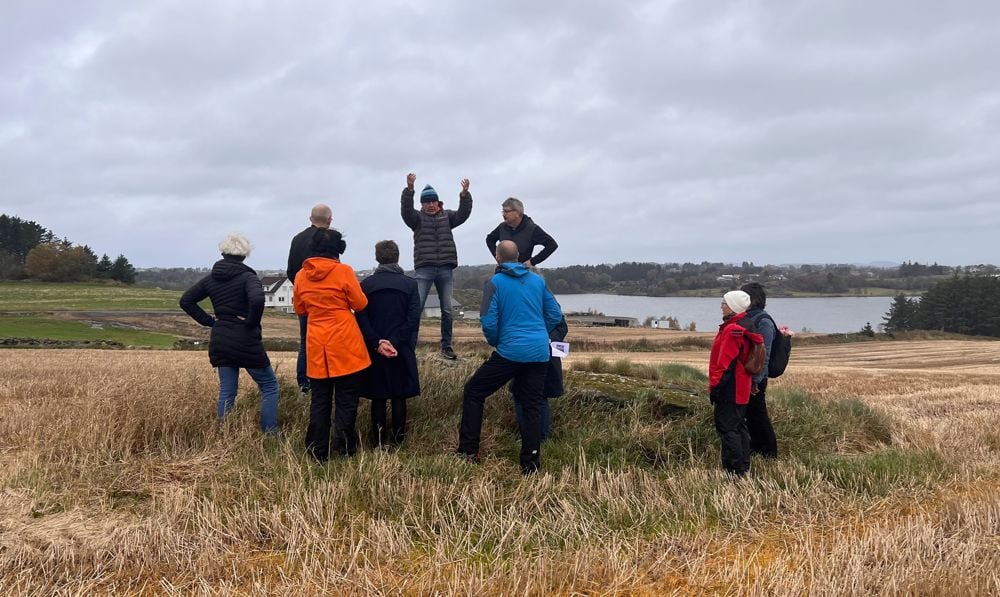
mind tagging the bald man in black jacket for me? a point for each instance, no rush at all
(319, 219)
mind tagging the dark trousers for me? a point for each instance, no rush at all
(300, 361)
(490, 377)
(546, 417)
(731, 424)
(762, 439)
(552, 388)
(381, 433)
(342, 393)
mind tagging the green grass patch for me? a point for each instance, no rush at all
(879, 473)
(805, 425)
(28, 296)
(679, 372)
(40, 328)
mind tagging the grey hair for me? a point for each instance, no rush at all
(513, 203)
(235, 244)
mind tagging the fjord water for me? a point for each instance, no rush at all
(821, 314)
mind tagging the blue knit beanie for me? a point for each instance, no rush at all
(429, 195)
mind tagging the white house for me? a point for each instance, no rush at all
(278, 293)
(432, 308)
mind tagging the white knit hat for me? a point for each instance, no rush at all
(737, 300)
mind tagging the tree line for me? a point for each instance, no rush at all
(29, 250)
(666, 279)
(961, 304)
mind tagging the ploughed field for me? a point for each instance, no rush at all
(115, 478)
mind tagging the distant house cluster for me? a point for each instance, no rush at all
(597, 320)
(278, 295)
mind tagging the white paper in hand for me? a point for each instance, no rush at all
(560, 349)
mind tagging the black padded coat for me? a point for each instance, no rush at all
(393, 314)
(238, 301)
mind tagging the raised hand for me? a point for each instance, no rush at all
(410, 179)
(465, 185)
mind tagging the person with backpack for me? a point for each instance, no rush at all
(737, 355)
(762, 438)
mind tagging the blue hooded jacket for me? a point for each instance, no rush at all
(517, 314)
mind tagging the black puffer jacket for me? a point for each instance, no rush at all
(433, 242)
(238, 300)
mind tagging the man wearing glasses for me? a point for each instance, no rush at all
(525, 233)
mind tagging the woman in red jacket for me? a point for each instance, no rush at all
(729, 383)
(328, 293)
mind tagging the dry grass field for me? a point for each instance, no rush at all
(115, 479)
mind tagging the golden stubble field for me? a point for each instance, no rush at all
(115, 480)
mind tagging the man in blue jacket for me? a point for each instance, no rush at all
(517, 314)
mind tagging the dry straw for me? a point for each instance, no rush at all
(117, 480)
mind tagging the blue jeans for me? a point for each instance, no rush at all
(229, 384)
(441, 278)
(300, 362)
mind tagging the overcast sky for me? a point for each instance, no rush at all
(772, 132)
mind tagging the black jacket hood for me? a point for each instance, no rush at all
(228, 268)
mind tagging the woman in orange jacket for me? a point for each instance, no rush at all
(328, 293)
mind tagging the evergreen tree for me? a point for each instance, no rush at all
(17, 238)
(122, 270)
(104, 267)
(900, 316)
(966, 305)
(89, 269)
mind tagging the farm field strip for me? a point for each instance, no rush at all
(114, 479)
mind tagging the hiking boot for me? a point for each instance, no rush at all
(448, 353)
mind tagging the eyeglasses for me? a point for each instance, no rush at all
(507, 211)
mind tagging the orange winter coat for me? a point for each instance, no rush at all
(328, 293)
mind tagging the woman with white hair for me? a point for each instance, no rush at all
(238, 300)
(729, 381)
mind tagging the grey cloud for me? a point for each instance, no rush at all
(656, 131)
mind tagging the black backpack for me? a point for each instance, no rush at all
(781, 348)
